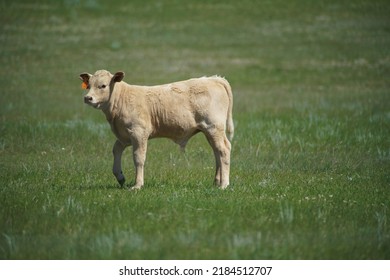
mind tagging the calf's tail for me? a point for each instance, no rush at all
(229, 117)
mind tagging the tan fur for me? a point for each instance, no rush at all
(176, 111)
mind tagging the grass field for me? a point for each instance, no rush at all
(311, 155)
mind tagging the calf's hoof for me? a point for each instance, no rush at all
(135, 188)
(223, 186)
(122, 181)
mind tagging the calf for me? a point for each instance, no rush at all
(176, 111)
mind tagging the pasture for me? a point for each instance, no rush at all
(310, 172)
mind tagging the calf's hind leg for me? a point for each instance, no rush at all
(221, 147)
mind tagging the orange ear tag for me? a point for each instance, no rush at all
(84, 85)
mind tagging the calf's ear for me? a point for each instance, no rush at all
(118, 76)
(85, 78)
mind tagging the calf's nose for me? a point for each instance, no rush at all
(87, 99)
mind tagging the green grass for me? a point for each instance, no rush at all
(311, 154)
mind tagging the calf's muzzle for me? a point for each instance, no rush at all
(87, 99)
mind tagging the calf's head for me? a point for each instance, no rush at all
(99, 86)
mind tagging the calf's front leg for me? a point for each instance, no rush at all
(117, 150)
(139, 157)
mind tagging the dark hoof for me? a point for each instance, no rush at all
(122, 182)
